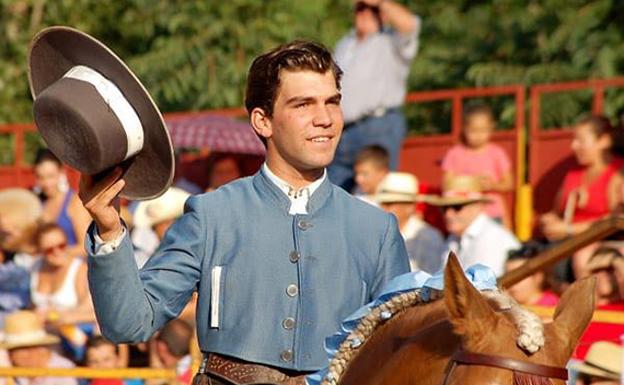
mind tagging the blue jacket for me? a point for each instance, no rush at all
(271, 285)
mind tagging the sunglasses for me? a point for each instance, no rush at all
(456, 208)
(52, 249)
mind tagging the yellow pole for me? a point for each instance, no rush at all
(142, 373)
(524, 192)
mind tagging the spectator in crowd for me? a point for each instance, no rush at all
(224, 168)
(531, 290)
(477, 156)
(607, 264)
(59, 289)
(61, 205)
(151, 220)
(30, 346)
(14, 286)
(375, 60)
(371, 167)
(590, 191)
(103, 354)
(473, 235)
(20, 212)
(602, 365)
(398, 194)
(180, 181)
(172, 348)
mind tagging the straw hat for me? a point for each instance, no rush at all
(168, 206)
(604, 359)
(94, 114)
(20, 206)
(398, 187)
(24, 328)
(460, 190)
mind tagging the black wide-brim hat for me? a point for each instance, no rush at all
(94, 113)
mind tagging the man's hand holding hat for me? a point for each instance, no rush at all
(101, 199)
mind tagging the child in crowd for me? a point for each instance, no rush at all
(531, 290)
(371, 166)
(103, 354)
(477, 156)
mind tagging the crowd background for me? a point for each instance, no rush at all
(194, 55)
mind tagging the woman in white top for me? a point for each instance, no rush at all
(59, 288)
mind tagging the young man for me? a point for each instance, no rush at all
(371, 167)
(278, 259)
(376, 60)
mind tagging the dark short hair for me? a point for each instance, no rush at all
(44, 155)
(97, 341)
(375, 154)
(176, 335)
(263, 80)
(478, 109)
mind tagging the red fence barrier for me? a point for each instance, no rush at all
(548, 150)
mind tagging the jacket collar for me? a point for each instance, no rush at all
(266, 187)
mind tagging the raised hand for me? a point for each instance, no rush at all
(101, 199)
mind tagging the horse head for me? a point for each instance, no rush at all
(488, 353)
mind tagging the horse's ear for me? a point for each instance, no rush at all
(467, 308)
(575, 310)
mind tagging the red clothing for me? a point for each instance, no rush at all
(548, 299)
(597, 204)
(601, 331)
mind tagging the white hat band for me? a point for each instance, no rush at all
(115, 99)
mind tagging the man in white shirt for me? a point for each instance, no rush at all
(398, 194)
(473, 236)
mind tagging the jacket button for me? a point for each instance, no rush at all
(288, 323)
(303, 225)
(292, 290)
(294, 256)
(286, 355)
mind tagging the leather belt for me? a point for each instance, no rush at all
(238, 372)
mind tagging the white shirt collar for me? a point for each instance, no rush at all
(474, 229)
(298, 198)
(412, 227)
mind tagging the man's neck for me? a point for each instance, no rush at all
(295, 178)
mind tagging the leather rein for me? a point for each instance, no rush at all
(461, 357)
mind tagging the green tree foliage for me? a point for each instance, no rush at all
(193, 54)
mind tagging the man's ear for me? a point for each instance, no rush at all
(261, 123)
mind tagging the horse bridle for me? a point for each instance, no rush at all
(462, 357)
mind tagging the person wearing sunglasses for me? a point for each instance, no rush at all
(375, 57)
(473, 236)
(59, 289)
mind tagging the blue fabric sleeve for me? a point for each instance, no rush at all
(393, 258)
(131, 305)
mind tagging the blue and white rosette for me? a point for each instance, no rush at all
(481, 277)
